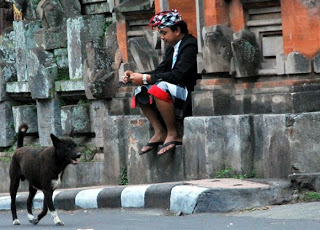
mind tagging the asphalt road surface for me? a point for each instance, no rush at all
(303, 216)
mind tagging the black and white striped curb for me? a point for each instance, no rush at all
(176, 197)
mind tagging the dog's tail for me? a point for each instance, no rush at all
(21, 133)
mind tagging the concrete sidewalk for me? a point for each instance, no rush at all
(209, 195)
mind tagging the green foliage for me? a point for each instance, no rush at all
(87, 155)
(106, 25)
(5, 159)
(311, 196)
(61, 101)
(124, 177)
(63, 75)
(85, 103)
(229, 173)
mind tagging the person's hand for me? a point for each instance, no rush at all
(126, 77)
(136, 78)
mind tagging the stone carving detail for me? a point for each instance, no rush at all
(53, 15)
(27, 8)
(217, 51)
(246, 54)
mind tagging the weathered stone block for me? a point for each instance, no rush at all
(271, 145)
(53, 38)
(49, 120)
(142, 54)
(296, 63)
(76, 47)
(76, 118)
(215, 143)
(42, 72)
(280, 59)
(203, 147)
(98, 111)
(25, 114)
(72, 85)
(84, 174)
(316, 63)
(210, 103)
(148, 168)
(7, 47)
(18, 87)
(24, 41)
(217, 50)
(97, 7)
(7, 73)
(61, 58)
(261, 103)
(122, 106)
(303, 136)
(202, 103)
(305, 181)
(115, 148)
(80, 30)
(6, 119)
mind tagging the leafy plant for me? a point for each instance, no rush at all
(229, 173)
(85, 103)
(311, 196)
(124, 177)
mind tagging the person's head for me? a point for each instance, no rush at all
(170, 25)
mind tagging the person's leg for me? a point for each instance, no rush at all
(159, 130)
(167, 111)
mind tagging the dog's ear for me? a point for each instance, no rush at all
(55, 140)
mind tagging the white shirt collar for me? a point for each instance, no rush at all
(176, 46)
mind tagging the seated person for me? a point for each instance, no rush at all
(166, 90)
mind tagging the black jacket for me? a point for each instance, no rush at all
(184, 72)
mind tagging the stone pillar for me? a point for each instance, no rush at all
(24, 41)
(49, 120)
(115, 148)
(7, 132)
(25, 114)
(98, 111)
(79, 31)
(42, 72)
(7, 63)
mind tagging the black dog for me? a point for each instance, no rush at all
(43, 168)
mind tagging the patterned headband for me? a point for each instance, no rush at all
(165, 19)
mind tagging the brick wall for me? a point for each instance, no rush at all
(216, 12)
(237, 18)
(122, 39)
(300, 27)
(188, 11)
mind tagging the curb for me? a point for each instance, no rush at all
(176, 197)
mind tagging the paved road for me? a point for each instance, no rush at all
(304, 216)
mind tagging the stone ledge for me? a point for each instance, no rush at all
(71, 85)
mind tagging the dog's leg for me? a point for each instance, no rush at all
(53, 212)
(32, 193)
(14, 184)
(44, 210)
